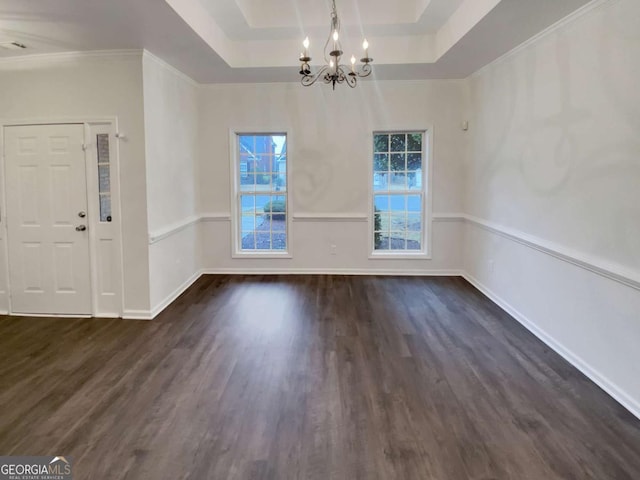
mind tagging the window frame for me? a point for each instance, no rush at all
(236, 223)
(425, 253)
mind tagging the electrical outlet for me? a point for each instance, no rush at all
(334, 249)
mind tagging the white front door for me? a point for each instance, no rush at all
(48, 240)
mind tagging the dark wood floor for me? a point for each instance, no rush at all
(312, 378)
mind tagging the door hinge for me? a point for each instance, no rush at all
(85, 146)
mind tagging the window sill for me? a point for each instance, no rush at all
(400, 256)
(264, 256)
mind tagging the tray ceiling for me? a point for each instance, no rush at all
(259, 41)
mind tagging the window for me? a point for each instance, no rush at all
(399, 188)
(104, 176)
(261, 191)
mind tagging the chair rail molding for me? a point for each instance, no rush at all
(172, 229)
(330, 217)
(593, 264)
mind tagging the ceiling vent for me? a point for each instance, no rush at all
(12, 46)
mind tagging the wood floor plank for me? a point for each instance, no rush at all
(309, 377)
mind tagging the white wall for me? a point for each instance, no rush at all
(171, 138)
(555, 167)
(330, 133)
(92, 86)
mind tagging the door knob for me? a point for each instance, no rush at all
(82, 214)
(81, 228)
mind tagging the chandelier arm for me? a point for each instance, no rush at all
(365, 70)
(349, 78)
(310, 79)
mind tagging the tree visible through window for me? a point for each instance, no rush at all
(262, 192)
(398, 191)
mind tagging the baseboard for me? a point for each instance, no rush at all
(154, 312)
(175, 294)
(137, 315)
(333, 271)
(151, 314)
(596, 377)
(49, 315)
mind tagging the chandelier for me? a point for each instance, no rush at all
(333, 72)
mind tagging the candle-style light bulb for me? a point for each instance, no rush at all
(305, 44)
(365, 45)
(335, 35)
(353, 63)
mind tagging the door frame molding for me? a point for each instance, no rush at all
(91, 172)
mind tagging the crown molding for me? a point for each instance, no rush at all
(146, 54)
(572, 17)
(67, 57)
